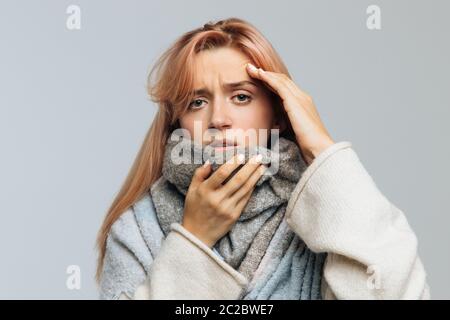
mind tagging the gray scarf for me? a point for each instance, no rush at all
(245, 244)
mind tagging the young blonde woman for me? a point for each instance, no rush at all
(317, 228)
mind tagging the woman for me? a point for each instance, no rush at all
(317, 228)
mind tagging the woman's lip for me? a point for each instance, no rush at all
(223, 147)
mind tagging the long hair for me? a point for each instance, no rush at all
(169, 85)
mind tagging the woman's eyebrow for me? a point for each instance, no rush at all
(230, 85)
(233, 85)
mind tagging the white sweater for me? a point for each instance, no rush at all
(335, 208)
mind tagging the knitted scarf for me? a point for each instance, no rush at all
(256, 233)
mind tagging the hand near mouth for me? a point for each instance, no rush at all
(215, 200)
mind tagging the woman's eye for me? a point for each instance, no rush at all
(197, 103)
(243, 98)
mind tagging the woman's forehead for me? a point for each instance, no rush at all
(219, 67)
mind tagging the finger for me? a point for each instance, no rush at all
(291, 91)
(273, 79)
(216, 179)
(289, 82)
(279, 81)
(301, 95)
(240, 178)
(201, 173)
(283, 78)
(249, 184)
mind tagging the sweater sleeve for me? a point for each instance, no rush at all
(183, 268)
(186, 268)
(372, 251)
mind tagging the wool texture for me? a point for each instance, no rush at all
(246, 243)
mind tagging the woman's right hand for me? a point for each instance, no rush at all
(211, 208)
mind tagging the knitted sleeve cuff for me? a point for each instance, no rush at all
(186, 268)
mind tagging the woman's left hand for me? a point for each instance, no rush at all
(310, 132)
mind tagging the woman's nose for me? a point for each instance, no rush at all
(220, 118)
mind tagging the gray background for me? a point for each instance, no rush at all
(74, 111)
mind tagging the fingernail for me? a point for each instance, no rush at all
(206, 163)
(252, 67)
(257, 159)
(240, 157)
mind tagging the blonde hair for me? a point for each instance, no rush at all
(172, 90)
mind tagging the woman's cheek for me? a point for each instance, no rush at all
(259, 116)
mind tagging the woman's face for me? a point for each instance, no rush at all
(228, 103)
